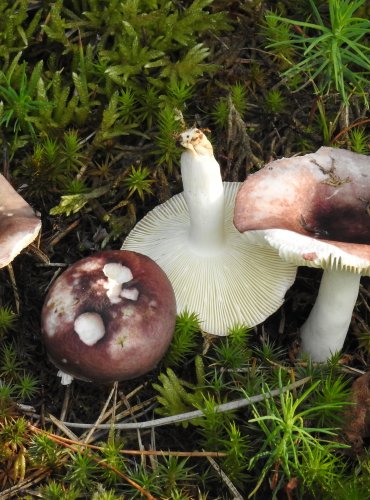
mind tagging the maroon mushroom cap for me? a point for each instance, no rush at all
(109, 317)
(323, 195)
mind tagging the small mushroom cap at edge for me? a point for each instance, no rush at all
(19, 226)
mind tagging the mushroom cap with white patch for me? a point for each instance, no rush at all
(214, 270)
(314, 210)
(94, 335)
(19, 226)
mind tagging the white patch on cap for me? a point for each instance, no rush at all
(62, 304)
(89, 327)
(89, 265)
(116, 274)
(130, 293)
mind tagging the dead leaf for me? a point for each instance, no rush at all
(357, 415)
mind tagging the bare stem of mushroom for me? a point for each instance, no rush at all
(204, 196)
(326, 328)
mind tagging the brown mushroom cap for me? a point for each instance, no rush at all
(136, 317)
(323, 196)
(19, 225)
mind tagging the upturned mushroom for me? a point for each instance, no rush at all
(314, 210)
(213, 269)
(19, 226)
(108, 317)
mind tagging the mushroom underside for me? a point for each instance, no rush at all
(240, 283)
(314, 210)
(322, 195)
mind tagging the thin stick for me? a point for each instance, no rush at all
(62, 234)
(121, 403)
(31, 480)
(101, 416)
(159, 453)
(60, 425)
(225, 478)
(347, 129)
(114, 410)
(129, 408)
(14, 286)
(39, 253)
(182, 417)
(102, 463)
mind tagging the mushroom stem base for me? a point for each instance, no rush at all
(326, 328)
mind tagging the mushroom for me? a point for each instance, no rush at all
(19, 225)
(314, 210)
(213, 269)
(108, 317)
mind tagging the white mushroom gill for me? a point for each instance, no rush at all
(326, 327)
(89, 327)
(117, 274)
(213, 269)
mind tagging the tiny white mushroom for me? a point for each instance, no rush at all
(65, 378)
(89, 327)
(116, 274)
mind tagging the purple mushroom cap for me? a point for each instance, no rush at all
(109, 317)
(315, 211)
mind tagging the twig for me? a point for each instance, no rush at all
(60, 425)
(196, 454)
(347, 129)
(14, 286)
(34, 249)
(34, 478)
(132, 413)
(224, 477)
(62, 234)
(104, 464)
(135, 408)
(182, 417)
(101, 416)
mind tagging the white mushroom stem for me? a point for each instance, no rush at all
(326, 328)
(203, 193)
(65, 378)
